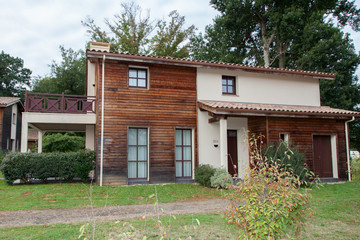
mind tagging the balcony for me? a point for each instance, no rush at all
(59, 103)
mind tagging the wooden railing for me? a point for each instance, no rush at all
(59, 103)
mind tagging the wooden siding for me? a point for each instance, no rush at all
(169, 102)
(1, 126)
(301, 133)
(6, 128)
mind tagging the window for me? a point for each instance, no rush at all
(137, 153)
(183, 152)
(284, 137)
(228, 85)
(138, 77)
(14, 118)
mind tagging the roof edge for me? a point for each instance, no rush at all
(198, 63)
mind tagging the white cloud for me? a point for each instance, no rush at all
(34, 29)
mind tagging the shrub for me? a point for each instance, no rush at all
(203, 173)
(221, 179)
(288, 159)
(267, 201)
(262, 207)
(63, 143)
(355, 169)
(25, 166)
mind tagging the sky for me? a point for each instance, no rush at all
(33, 30)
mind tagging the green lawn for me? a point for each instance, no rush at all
(336, 213)
(73, 195)
(212, 226)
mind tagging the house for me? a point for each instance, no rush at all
(10, 123)
(154, 119)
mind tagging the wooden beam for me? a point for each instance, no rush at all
(214, 119)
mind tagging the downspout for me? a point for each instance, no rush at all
(102, 122)
(347, 147)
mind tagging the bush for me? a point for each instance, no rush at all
(25, 166)
(355, 169)
(221, 179)
(263, 207)
(63, 143)
(203, 173)
(288, 160)
(268, 199)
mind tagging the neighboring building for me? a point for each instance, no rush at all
(10, 123)
(156, 118)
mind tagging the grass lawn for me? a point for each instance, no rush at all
(336, 213)
(74, 195)
(212, 226)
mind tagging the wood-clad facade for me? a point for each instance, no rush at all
(301, 132)
(167, 103)
(164, 116)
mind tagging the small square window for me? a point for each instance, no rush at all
(138, 77)
(228, 85)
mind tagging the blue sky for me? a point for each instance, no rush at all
(34, 29)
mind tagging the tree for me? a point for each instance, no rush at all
(130, 32)
(263, 30)
(299, 34)
(14, 77)
(67, 77)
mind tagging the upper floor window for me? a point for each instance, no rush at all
(228, 85)
(138, 77)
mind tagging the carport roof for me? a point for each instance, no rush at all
(241, 108)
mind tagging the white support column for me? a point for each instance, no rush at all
(223, 143)
(40, 140)
(24, 134)
(90, 137)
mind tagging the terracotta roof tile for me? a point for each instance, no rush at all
(240, 107)
(191, 62)
(6, 101)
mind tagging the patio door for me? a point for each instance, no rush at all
(322, 156)
(232, 153)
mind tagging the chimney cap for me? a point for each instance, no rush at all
(100, 46)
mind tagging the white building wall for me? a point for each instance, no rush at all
(259, 87)
(209, 135)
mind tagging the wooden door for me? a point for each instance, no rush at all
(232, 153)
(322, 156)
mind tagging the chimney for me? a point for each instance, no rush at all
(100, 46)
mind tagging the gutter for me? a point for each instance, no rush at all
(102, 122)
(347, 147)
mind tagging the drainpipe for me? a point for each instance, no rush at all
(102, 122)
(347, 147)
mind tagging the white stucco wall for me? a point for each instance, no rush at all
(14, 113)
(209, 135)
(259, 87)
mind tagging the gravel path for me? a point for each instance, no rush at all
(54, 216)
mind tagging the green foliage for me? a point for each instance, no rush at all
(25, 166)
(203, 173)
(66, 77)
(262, 207)
(63, 143)
(130, 32)
(268, 199)
(14, 78)
(355, 169)
(288, 159)
(221, 179)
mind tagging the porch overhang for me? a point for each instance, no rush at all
(218, 109)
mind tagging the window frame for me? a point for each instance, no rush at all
(228, 78)
(137, 153)
(137, 69)
(182, 152)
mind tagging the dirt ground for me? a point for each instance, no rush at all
(55, 216)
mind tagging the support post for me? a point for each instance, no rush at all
(40, 137)
(24, 133)
(223, 143)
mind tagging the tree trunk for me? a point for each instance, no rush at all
(266, 44)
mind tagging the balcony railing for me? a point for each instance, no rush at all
(59, 103)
